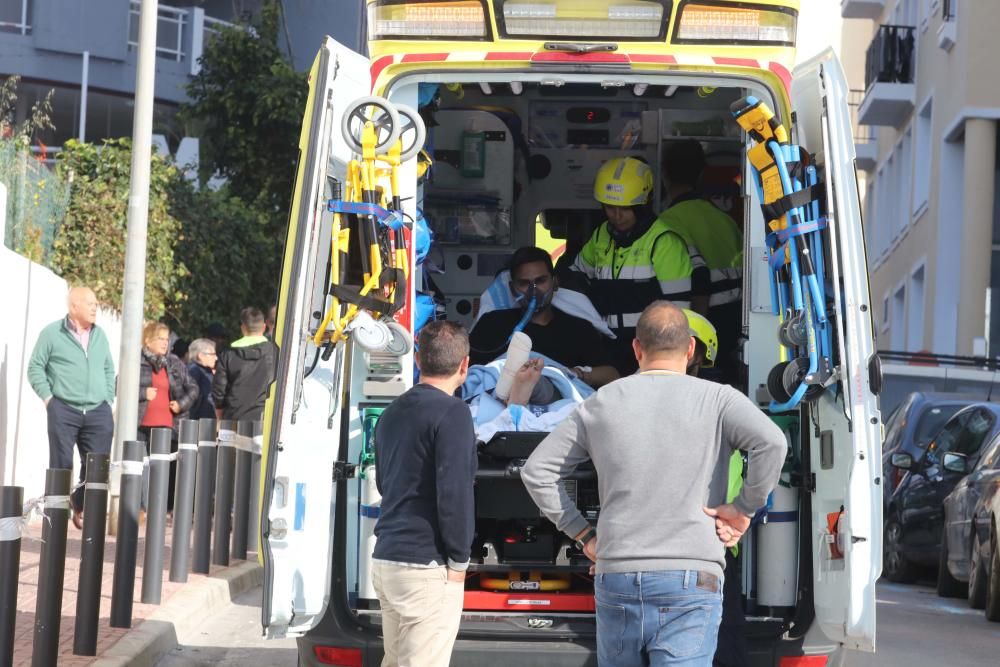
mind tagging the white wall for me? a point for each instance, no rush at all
(33, 297)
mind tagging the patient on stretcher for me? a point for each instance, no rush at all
(543, 394)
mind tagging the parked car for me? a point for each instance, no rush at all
(910, 427)
(990, 554)
(914, 516)
(968, 517)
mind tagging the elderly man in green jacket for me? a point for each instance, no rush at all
(72, 371)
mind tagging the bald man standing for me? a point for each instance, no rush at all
(660, 441)
(72, 371)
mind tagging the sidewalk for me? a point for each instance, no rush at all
(107, 637)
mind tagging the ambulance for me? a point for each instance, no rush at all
(500, 113)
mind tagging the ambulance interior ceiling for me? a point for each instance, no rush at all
(514, 165)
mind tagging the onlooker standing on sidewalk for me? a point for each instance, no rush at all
(166, 391)
(425, 457)
(661, 442)
(245, 371)
(201, 366)
(71, 369)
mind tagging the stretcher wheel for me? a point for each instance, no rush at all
(411, 131)
(381, 113)
(370, 334)
(792, 332)
(776, 383)
(793, 375)
(400, 341)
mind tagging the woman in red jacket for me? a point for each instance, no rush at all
(166, 391)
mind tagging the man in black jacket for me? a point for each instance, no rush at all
(425, 461)
(244, 372)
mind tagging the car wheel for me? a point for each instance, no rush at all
(947, 585)
(993, 585)
(977, 576)
(895, 566)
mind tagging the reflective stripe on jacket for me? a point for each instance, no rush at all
(624, 280)
(718, 240)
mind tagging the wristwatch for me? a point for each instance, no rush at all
(588, 536)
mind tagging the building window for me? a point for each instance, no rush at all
(885, 313)
(897, 321)
(922, 164)
(904, 180)
(915, 312)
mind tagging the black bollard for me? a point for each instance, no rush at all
(187, 459)
(11, 499)
(51, 567)
(88, 596)
(241, 506)
(224, 468)
(156, 515)
(123, 581)
(204, 491)
(254, 519)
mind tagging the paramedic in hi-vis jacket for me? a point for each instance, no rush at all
(633, 259)
(661, 442)
(718, 240)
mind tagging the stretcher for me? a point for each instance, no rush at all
(790, 191)
(367, 204)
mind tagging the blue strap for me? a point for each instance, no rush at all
(388, 218)
(777, 241)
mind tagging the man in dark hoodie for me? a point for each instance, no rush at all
(244, 372)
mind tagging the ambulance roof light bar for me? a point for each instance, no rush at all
(444, 20)
(584, 19)
(707, 22)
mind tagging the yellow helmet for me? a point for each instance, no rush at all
(623, 181)
(704, 331)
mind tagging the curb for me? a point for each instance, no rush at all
(186, 609)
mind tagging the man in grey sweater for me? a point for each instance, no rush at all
(661, 442)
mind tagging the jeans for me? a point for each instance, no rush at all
(90, 431)
(667, 617)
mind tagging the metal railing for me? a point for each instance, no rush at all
(170, 26)
(948, 9)
(15, 16)
(890, 55)
(862, 133)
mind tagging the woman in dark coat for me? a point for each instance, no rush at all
(166, 392)
(201, 366)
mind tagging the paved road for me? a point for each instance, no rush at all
(916, 628)
(233, 639)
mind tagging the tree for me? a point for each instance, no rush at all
(89, 247)
(220, 244)
(248, 102)
(246, 106)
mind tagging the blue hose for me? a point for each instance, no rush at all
(529, 312)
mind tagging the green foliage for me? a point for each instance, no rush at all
(230, 255)
(246, 106)
(36, 198)
(89, 248)
(247, 102)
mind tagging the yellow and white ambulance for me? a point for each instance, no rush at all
(523, 100)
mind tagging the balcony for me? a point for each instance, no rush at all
(861, 9)
(890, 91)
(865, 143)
(180, 33)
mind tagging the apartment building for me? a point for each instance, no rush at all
(927, 110)
(85, 50)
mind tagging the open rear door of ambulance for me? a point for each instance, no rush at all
(302, 420)
(844, 433)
